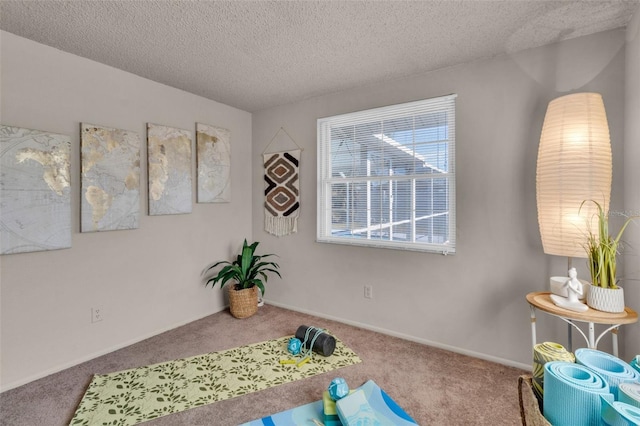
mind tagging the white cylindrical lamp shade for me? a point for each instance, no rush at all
(574, 165)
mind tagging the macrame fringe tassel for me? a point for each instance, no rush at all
(280, 226)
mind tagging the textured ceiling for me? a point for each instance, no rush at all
(257, 54)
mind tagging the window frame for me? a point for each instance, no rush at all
(325, 209)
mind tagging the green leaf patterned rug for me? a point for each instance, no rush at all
(133, 396)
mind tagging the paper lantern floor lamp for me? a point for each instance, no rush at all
(574, 165)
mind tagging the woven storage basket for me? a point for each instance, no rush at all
(243, 303)
(529, 407)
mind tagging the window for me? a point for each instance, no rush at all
(386, 177)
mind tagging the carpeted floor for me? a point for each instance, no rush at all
(434, 386)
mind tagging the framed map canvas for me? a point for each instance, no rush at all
(169, 151)
(35, 196)
(213, 151)
(110, 179)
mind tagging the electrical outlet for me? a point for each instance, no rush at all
(368, 292)
(96, 314)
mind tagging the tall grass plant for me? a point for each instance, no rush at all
(602, 249)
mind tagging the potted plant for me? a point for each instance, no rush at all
(602, 249)
(247, 272)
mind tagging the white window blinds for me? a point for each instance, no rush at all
(386, 177)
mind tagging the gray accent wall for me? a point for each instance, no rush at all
(474, 301)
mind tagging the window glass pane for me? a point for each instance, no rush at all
(339, 206)
(380, 198)
(434, 157)
(349, 209)
(432, 210)
(342, 160)
(400, 160)
(402, 210)
(371, 152)
(431, 126)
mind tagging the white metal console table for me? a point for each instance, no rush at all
(542, 301)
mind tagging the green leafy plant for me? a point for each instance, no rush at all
(602, 249)
(248, 270)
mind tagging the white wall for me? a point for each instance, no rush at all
(146, 280)
(474, 301)
(631, 280)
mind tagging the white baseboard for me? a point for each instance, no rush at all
(380, 330)
(5, 387)
(58, 368)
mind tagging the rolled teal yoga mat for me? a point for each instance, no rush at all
(611, 368)
(620, 414)
(572, 394)
(635, 363)
(629, 393)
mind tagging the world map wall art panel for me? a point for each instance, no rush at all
(35, 194)
(213, 152)
(110, 179)
(169, 151)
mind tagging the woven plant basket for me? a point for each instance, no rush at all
(529, 406)
(243, 303)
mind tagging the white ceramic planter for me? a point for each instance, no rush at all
(606, 299)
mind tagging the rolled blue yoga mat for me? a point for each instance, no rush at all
(572, 394)
(619, 414)
(635, 363)
(611, 368)
(629, 393)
